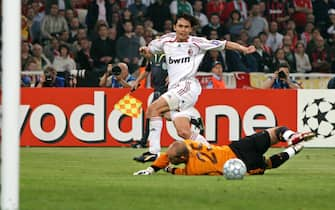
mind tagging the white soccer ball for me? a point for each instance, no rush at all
(234, 169)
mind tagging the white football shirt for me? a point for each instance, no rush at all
(183, 58)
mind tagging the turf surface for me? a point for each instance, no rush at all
(101, 178)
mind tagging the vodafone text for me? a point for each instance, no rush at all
(108, 123)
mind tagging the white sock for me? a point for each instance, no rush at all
(156, 124)
(287, 134)
(290, 151)
(199, 138)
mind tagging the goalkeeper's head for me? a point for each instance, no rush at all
(178, 153)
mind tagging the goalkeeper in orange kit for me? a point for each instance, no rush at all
(206, 159)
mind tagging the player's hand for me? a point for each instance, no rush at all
(145, 172)
(134, 86)
(250, 49)
(144, 51)
(168, 169)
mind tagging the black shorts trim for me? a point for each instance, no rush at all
(251, 149)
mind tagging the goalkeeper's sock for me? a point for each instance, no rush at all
(278, 159)
(284, 134)
(156, 124)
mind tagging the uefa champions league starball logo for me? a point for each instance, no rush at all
(318, 116)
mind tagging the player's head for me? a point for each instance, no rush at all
(178, 153)
(183, 26)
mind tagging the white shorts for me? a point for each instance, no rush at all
(183, 95)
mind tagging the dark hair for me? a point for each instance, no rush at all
(193, 21)
(284, 65)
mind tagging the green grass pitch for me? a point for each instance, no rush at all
(101, 178)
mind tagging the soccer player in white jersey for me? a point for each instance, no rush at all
(184, 54)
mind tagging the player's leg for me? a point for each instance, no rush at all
(279, 159)
(286, 135)
(182, 122)
(143, 141)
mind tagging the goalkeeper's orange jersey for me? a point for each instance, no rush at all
(203, 159)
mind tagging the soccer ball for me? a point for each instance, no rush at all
(318, 116)
(234, 169)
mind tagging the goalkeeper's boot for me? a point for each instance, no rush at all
(146, 157)
(300, 137)
(198, 124)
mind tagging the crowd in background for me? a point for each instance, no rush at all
(64, 35)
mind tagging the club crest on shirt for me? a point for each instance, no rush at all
(215, 42)
(190, 52)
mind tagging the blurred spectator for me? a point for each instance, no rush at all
(216, 6)
(278, 59)
(159, 12)
(69, 15)
(98, 10)
(127, 16)
(306, 36)
(303, 65)
(331, 83)
(116, 23)
(331, 28)
(289, 53)
(301, 9)
(281, 79)
(197, 8)
(294, 37)
(211, 57)
(53, 24)
(147, 3)
(64, 63)
(321, 17)
(61, 4)
(127, 47)
(35, 30)
(139, 32)
(235, 24)
(237, 61)
(255, 22)
(213, 35)
(239, 5)
(84, 59)
(277, 10)
(117, 76)
(138, 10)
(179, 7)
(312, 43)
(148, 36)
(168, 26)
(71, 81)
(319, 57)
(103, 49)
(275, 39)
(263, 59)
(25, 54)
(217, 78)
(214, 24)
(112, 34)
(148, 24)
(29, 80)
(73, 29)
(52, 49)
(50, 78)
(41, 60)
(264, 37)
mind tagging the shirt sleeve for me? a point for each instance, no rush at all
(205, 44)
(156, 45)
(161, 162)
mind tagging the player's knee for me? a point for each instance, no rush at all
(152, 112)
(184, 133)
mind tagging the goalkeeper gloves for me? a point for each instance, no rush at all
(147, 171)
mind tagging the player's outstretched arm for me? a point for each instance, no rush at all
(236, 46)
